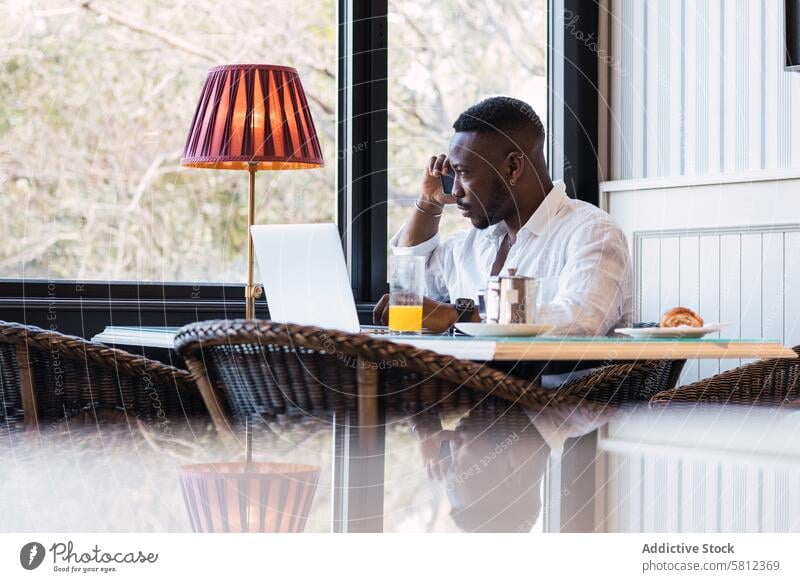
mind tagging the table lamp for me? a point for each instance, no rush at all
(252, 117)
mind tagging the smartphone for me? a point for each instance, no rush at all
(447, 182)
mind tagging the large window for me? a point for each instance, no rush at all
(96, 99)
(443, 57)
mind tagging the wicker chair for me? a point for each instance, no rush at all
(259, 369)
(46, 375)
(626, 383)
(767, 382)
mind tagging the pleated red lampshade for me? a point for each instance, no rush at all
(248, 497)
(252, 117)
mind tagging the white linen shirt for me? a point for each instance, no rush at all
(571, 243)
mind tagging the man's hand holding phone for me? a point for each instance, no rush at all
(437, 172)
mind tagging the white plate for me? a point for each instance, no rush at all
(669, 332)
(506, 330)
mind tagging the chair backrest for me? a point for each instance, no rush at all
(626, 382)
(768, 382)
(265, 368)
(47, 375)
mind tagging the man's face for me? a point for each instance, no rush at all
(483, 196)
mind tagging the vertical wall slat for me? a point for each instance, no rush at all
(772, 300)
(791, 314)
(700, 501)
(663, 145)
(650, 492)
(730, 290)
(650, 266)
(751, 288)
(674, 26)
(673, 494)
(714, 89)
(752, 495)
(634, 493)
(730, 93)
(768, 501)
(755, 81)
(637, 74)
(708, 301)
(785, 117)
(670, 273)
(792, 117)
(625, 112)
(655, 87)
(689, 291)
(793, 503)
(695, 62)
(773, 68)
(746, 84)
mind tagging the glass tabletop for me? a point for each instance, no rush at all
(584, 339)
(482, 467)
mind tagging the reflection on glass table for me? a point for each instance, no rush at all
(484, 467)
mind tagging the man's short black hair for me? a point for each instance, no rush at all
(503, 115)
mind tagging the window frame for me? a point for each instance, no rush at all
(86, 307)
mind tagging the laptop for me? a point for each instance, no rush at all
(305, 276)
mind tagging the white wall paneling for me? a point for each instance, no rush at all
(702, 89)
(702, 126)
(728, 247)
(734, 276)
(716, 474)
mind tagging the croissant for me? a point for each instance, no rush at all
(681, 316)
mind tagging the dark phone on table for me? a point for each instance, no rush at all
(447, 182)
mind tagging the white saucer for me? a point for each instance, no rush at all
(683, 331)
(507, 330)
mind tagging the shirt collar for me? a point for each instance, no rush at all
(540, 221)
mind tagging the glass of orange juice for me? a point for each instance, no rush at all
(407, 288)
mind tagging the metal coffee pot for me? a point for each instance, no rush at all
(511, 298)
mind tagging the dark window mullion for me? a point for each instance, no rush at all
(365, 217)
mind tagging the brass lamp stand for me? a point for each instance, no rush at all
(251, 291)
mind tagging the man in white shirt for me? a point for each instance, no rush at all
(521, 220)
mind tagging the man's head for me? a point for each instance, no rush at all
(497, 155)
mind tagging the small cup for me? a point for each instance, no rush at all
(406, 292)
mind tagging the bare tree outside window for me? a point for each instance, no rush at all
(96, 99)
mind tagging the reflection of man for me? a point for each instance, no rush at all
(494, 470)
(521, 219)
(492, 462)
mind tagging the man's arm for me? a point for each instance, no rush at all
(423, 224)
(594, 284)
(421, 232)
(437, 316)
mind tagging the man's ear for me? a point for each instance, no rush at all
(515, 162)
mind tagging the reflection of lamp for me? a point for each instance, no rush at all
(252, 117)
(248, 497)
